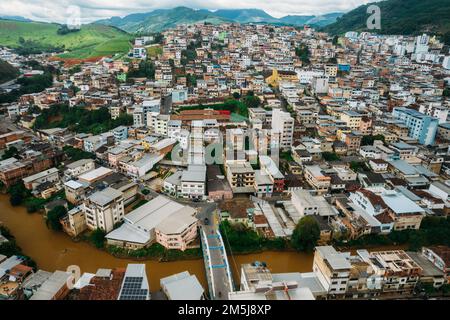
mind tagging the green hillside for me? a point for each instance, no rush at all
(400, 17)
(91, 41)
(7, 71)
(162, 19)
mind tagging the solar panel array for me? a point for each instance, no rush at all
(132, 289)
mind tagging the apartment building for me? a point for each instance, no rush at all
(333, 270)
(271, 169)
(352, 119)
(241, 176)
(75, 191)
(283, 127)
(316, 179)
(420, 126)
(193, 182)
(74, 223)
(13, 170)
(160, 220)
(435, 110)
(401, 272)
(50, 176)
(104, 209)
(79, 167)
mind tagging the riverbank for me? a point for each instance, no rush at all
(54, 250)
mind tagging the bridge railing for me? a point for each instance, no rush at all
(208, 265)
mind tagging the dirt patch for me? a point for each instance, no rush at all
(237, 207)
(69, 62)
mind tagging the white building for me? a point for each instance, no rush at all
(79, 167)
(104, 209)
(283, 128)
(320, 84)
(193, 182)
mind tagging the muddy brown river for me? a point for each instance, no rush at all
(56, 251)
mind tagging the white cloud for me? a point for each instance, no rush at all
(91, 10)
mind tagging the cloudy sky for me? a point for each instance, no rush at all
(91, 10)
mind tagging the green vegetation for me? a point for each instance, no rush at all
(154, 51)
(399, 17)
(139, 204)
(91, 41)
(97, 238)
(433, 231)
(19, 195)
(75, 69)
(330, 156)
(146, 70)
(430, 290)
(156, 251)
(303, 53)
(191, 80)
(231, 105)
(241, 239)
(306, 234)
(27, 47)
(251, 101)
(54, 216)
(358, 166)
(33, 84)
(7, 72)
(446, 92)
(188, 55)
(76, 154)
(10, 153)
(369, 140)
(80, 119)
(287, 155)
(10, 248)
(64, 29)
(162, 19)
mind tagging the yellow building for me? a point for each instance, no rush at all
(278, 76)
(274, 79)
(352, 119)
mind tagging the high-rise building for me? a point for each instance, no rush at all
(420, 126)
(104, 209)
(283, 126)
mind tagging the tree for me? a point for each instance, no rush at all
(446, 92)
(54, 216)
(303, 53)
(251, 101)
(11, 152)
(335, 40)
(97, 238)
(306, 234)
(368, 140)
(330, 156)
(18, 193)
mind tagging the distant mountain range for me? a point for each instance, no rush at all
(162, 19)
(399, 17)
(15, 18)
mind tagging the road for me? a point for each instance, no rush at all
(7, 84)
(217, 269)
